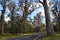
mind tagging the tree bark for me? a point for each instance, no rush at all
(49, 26)
(2, 16)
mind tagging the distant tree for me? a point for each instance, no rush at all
(37, 21)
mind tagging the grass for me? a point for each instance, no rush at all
(55, 37)
(16, 35)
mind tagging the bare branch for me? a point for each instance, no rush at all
(30, 12)
(41, 2)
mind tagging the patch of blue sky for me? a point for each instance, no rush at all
(1, 7)
(38, 11)
(7, 11)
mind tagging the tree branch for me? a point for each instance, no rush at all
(30, 12)
(41, 2)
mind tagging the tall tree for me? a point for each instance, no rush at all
(3, 3)
(49, 26)
(11, 7)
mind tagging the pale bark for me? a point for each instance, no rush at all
(49, 26)
(2, 16)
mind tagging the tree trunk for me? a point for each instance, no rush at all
(57, 24)
(2, 16)
(59, 21)
(2, 21)
(12, 21)
(25, 14)
(49, 26)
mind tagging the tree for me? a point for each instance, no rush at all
(56, 12)
(24, 5)
(37, 19)
(49, 26)
(38, 22)
(3, 3)
(11, 7)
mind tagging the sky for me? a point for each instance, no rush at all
(32, 14)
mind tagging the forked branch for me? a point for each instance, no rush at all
(41, 2)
